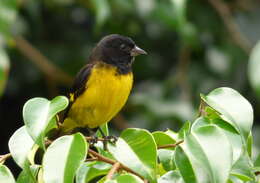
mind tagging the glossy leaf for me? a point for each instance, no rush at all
(208, 152)
(104, 129)
(250, 144)
(172, 134)
(171, 177)
(28, 177)
(126, 178)
(4, 69)
(257, 161)
(234, 138)
(218, 151)
(88, 171)
(63, 157)
(6, 175)
(234, 179)
(254, 68)
(184, 130)
(243, 168)
(20, 145)
(136, 149)
(185, 166)
(234, 108)
(39, 116)
(162, 138)
(166, 158)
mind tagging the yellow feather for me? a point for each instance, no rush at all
(106, 92)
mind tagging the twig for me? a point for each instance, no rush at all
(42, 62)
(91, 159)
(5, 157)
(170, 145)
(113, 170)
(233, 29)
(112, 162)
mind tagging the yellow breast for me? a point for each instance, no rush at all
(106, 93)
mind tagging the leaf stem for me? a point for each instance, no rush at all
(170, 145)
(5, 157)
(113, 170)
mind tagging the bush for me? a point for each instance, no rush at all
(215, 148)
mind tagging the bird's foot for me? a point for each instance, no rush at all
(93, 140)
(112, 139)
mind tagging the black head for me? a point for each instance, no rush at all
(116, 50)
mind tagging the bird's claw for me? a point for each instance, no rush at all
(112, 139)
(93, 141)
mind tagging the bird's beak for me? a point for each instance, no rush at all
(137, 51)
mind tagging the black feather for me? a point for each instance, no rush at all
(79, 84)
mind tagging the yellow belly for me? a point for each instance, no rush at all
(106, 93)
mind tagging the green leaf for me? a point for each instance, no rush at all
(218, 151)
(63, 157)
(90, 170)
(243, 168)
(6, 175)
(172, 134)
(234, 138)
(233, 179)
(4, 69)
(20, 145)
(257, 161)
(184, 165)
(184, 130)
(126, 178)
(39, 116)
(8, 11)
(161, 138)
(254, 68)
(209, 153)
(166, 157)
(249, 144)
(104, 129)
(225, 101)
(136, 149)
(171, 177)
(24, 176)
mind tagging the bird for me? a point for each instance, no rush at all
(102, 87)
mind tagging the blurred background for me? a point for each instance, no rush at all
(194, 47)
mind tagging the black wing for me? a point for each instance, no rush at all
(78, 86)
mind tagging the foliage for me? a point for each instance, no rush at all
(194, 46)
(214, 148)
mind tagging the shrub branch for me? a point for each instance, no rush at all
(5, 157)
(113, 170)
(170, 145)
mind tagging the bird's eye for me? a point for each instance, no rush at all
(122, 46)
